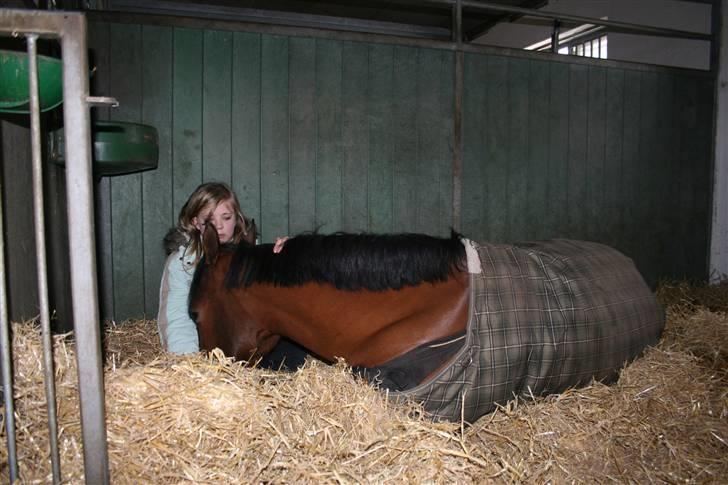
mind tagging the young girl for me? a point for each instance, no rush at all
(211, 203)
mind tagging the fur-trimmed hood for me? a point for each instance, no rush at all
(174, 239)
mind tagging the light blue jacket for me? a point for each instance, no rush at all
(177, 331)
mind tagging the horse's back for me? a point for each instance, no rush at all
(545, 316)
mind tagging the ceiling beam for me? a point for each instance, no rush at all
(474, 32)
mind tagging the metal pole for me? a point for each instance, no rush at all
(7, 361)
(555, 37)
(79, 190)
(40, 252)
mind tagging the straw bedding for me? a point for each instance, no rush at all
(203, 419)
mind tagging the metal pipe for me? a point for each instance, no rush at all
(555, 37)
(7, 361)
(40, 253)
(71, 28)
(79, 190)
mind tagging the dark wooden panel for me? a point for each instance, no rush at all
(613, 226)
(577, 183)
(445, 137)
(558, 132)
(596, 132)
(703, 156)
(217, 106)
(302, 165)
(497, 150)
(246, 118)
(274, 138)
(647, 204)
(475, 109)
(518, 168)
(537, 153)
(661, 171)
(126, 194)
(158, 214)
(405, 138)
(328, 122)
(186, 114)
(381, 138)
(630, 193)
(354, 138)
(17, 211)
(433, 169)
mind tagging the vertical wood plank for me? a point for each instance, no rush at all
(686, 92)
(274, 133)
(126, 196)
(302, 168)
(537, 153)
(630, 194)
(595, 153)
(614, 125)
(445, 137)
(355, 137)
(518, 169)
(577, 183)
(246, 117)
(662, 174)
(217, 106)
(646, 165)
(704, 177)
(557, 219)
(425, 175)
(497, 150)
(98, 41)
(475, 109)
(158, 215)
(405, 135)
(381, 139)
(186, 115)
(328, 164)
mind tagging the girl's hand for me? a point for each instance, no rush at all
(278, 246)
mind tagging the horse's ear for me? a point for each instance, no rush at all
(251, 232)
(210, 244)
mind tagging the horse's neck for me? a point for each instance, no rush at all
(366, 328)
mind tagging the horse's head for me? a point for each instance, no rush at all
(223, 315)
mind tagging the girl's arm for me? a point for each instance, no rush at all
(177, 331)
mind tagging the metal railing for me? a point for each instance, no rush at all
(70, 30)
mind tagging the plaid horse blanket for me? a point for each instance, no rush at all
(545, 316)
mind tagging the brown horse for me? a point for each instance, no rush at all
(406, 313)
(244, 298)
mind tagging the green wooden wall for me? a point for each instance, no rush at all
(319, 133)
(618, 155)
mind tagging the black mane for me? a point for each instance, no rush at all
(349, 261)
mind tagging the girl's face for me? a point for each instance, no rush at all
(221, 217)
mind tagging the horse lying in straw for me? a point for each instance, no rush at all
(458, 325)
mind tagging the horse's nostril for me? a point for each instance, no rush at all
(193, 316)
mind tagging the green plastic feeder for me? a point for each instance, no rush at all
(118, 147)
(14, 95)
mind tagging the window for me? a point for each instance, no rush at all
(587, 41)
(596, 47)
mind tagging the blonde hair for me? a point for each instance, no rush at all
(210, 194)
